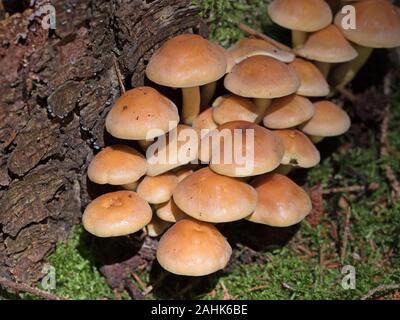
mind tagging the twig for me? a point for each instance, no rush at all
(227, 296)
(372, 186)
(133, 291)
(263, 36)
(383, 287)
(119, 75)
(25, 288)
(258, 288)
(156, 283)
(346, 230)
(384, 140)
(138, 280)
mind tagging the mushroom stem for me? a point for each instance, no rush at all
(207, 93)
(316, 139)
(298, 38)
(284, 169)
(191, 104)
(346, 72)
(324, 67)
(261, 107)
(144, 144)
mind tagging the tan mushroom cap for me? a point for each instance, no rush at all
(157, 227)
(328, 45)
(246, 159)
(262, 77)
(187, 60)
(193, 248)
(117, 165)
(329, 120)
(232, 107)
(183, 172)
(141, 113)
(281, 202)
(249, 47)
(205, 120)
(301, 15)
(116, 214)
(170, 212)
(299, 150)
(162, 156)
(313, 83)
(157, 189)
(378, 24)
(288, 112)
(208, 196)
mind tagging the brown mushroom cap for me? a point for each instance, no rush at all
(248, 47)
(193, 248)
(266, 152)
(208, 196)
(378, 24)
(170, 212)
(288, 112)
(157, 189)
(181, 136)
(313, 83)
(232, 107)
(328, 45)
(187, 60)
(117, 165)
(329, 120)
(262, 77)
(301, 15)
(116, 214)
(299, 150)
(281, 202)
(141, 113)
(205, 120)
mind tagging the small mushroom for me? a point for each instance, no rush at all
(313, 83)
(117, 165)
(281, 202)
(232, 107)
(157, 227)
(208, 196)
(187, 61)
(205, 120)
(237, 156)
(116, 214)
(176, 149)
(288, 112)
(300, 16)
(378, 26)
(299, 150)
(249, 47)
(170, 212)
(329, 120)
(141, 113)
(325, 47)
(193, 248)
(262, 78)
(158, 189)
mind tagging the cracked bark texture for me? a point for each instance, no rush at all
(56, 87)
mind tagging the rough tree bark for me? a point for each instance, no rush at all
(55, 89)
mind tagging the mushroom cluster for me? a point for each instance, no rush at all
(268, 92)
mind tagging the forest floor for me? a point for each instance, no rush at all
(355, 221)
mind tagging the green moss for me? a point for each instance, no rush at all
(76, 276)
